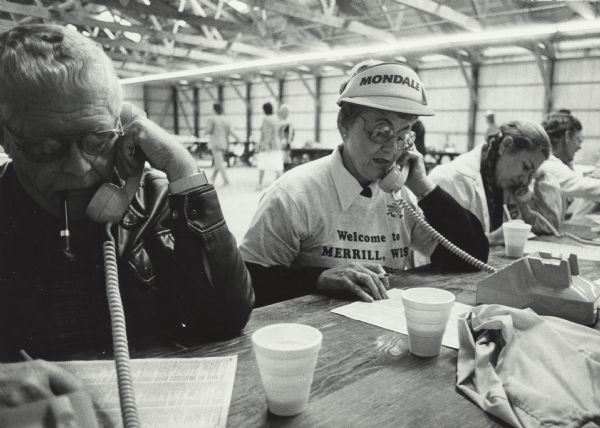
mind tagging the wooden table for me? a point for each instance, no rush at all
(365, 375)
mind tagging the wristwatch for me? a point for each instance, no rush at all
(186, 184)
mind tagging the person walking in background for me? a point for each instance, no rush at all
(269, 156)
(218, 130)
(492, 128)
(286, 132)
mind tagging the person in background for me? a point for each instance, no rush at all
(269, 156)
(326, 226)
(286, 132)
(490, 120)
(67, 131)
(218, 130)
(496, 173)
(566, 135)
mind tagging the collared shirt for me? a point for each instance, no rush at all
(461, 178)
(314, 215)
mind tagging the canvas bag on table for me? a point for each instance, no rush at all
(530, 370)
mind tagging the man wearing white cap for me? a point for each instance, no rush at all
(326, 226)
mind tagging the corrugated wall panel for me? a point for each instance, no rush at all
(513, 90)
(577, 87)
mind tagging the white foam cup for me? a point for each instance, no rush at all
(286, 355)
(427, 311)
(515, 236)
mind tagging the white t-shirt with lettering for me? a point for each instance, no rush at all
(314, 215)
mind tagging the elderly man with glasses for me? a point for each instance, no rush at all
(327, 226)
(67, 132)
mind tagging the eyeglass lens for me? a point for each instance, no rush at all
(382, 133)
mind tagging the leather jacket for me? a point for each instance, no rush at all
(179, 268)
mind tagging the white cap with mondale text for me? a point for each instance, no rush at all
(387, 86)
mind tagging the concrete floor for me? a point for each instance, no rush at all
(240, 199)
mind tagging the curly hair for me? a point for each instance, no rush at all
(521, 135)
(558, 122)
(41, 61)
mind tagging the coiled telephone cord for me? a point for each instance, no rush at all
(442, 240)
(119, 335)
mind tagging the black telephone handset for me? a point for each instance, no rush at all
(392, 182)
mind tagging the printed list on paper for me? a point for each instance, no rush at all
(173, 392)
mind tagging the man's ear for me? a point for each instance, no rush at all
(568, 135)
(505, 145)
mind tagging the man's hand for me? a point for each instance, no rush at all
(26, 382)
(158, 147)
(362, 280)
(417, 180)
(496, 237)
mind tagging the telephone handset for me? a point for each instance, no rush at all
(392, 183)
(394, 179)
(108, 206)
(110, 203)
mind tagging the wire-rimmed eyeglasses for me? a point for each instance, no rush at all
(47, 149)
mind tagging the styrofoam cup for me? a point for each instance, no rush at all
(427, 311)
(515, 237)
(286, 355)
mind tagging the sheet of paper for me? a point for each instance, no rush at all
(389, 314)
(173, 392)
(583, 252)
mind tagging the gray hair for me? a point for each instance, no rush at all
(43, 61)
(522, 135)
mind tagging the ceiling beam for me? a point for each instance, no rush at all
(302, 13)
(446, 13)
(583, 9)
(79, 18)
(179, 37)
(175, 52)
(160, 10)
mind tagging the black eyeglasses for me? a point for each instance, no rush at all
(383, 132)
(47, 149)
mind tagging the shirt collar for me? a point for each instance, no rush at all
(348, 188)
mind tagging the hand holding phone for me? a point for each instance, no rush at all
(157, 146)
(523, 195)
(409, 170)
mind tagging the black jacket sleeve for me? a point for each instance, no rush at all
(209, 294)
(456, 224)
(278, 283)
